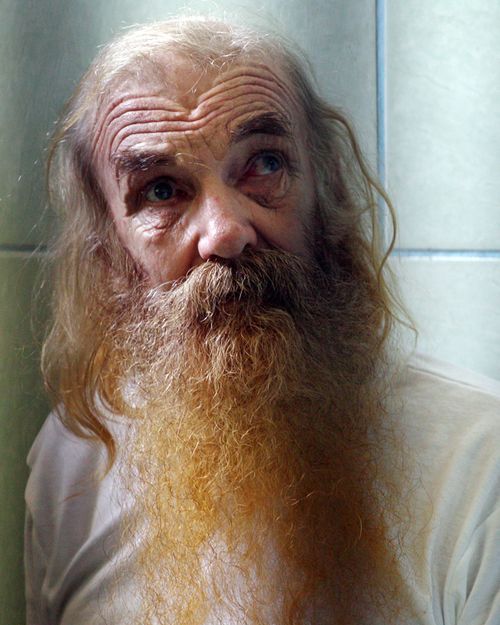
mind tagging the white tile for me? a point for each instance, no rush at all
(456, 307)
(443, 119)
(339, 38)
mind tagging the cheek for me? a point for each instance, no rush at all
(138, 244)
(308, 213)
(293, 228)
(272, 191)
(129, 238)
(164, 255)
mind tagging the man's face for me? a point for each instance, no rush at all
(205, 165)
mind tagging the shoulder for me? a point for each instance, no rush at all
(450, 417)
(69, 477)
(63, 465)
(74, 515)
(424, 370)
(56, 445)
(450, 420)
(444, 407)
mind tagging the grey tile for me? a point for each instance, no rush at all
(456, 307)
(22, 410)
(443, 112)
(41, 59)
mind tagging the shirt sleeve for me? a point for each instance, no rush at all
(452, 427)
(35, 567)
(477, 577)
(73, 551)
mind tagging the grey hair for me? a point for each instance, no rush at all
(86, 247)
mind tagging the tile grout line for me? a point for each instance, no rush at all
(380, 71)
(447, 254)
(40, 250)
(380, 37)
(35, 251)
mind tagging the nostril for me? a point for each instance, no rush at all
(227, 240)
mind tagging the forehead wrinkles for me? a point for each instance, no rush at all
(240, 91)
(160, 123)
(258, 75)
(131, 107)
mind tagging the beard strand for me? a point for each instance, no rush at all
(255, 389)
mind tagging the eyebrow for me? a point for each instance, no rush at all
(264, 124)
(130, 161)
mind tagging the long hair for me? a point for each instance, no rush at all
(86, 252)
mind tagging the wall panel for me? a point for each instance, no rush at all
(443, 120)
(456, 306)
(22, 410)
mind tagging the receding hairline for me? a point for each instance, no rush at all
(208, 43)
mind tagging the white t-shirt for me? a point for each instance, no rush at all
(78, 571)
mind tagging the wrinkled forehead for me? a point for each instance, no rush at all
(178, 99)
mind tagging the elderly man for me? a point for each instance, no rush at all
(236, 437)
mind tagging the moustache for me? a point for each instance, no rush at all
(257, 280)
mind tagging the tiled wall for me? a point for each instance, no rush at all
(25, 109)
(21, 413)
(437, 83)
(440, 93)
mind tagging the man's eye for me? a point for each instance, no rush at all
(160, 191)
(265, 164)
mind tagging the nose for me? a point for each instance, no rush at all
(225, 225)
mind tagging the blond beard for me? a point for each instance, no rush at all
(258, 394)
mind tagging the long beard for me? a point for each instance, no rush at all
(256, 389)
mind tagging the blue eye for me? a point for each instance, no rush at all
(160, 191)
(265, 164)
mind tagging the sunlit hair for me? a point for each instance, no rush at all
(86, 251)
